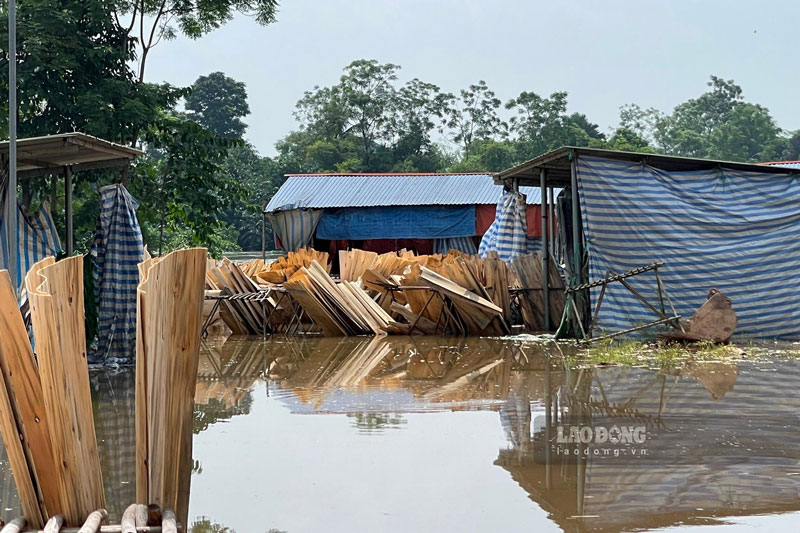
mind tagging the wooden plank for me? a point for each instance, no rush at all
(484, 309)
(56, 296)
(23, 474)
(22, 380)
(172, 318)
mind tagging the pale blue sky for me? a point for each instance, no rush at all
(604, 53)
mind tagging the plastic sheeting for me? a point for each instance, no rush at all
(116, 251)
(294, 227)
(36, 235)
(733, 230)
(508, 234)
(462, 244)
(413, 222)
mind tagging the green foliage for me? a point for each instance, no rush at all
(181, 185)
(147, 22)
(472, 117)
(719, 124)
(219, 103)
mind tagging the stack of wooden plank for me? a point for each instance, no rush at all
(353, 263)
(337, 308)
(169, 312)
(528, 269)
(46, 409)
(284, 267)
(241, 316)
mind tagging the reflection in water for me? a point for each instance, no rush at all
(723, 438)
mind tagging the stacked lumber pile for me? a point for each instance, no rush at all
(476, 288)
(46, 408)
(228, 278)
(337, 308)
(528, 270)
(284, 267)
(169, 312)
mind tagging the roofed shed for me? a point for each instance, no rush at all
(727, 225)
(383, 212)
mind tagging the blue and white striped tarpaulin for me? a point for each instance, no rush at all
(508, 234)
(294, 227)
(36, 235)
(733, 230)
(116, 251)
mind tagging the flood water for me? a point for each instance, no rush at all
(427, 434)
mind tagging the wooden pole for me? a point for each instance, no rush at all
(545, 252)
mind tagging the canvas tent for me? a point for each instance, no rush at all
(727, 225)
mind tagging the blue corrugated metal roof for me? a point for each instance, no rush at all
(371, 190)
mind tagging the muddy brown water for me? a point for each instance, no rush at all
(431, 434)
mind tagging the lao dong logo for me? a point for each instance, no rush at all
(601, 434)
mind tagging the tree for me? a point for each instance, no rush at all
(626, 140)
(218, 103)
(473, 116)
(542, 124)
(747, 132)
(73, 74)
(182, 187)
(687, 130)
(147, 22)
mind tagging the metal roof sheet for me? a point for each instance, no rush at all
(322, 191)
(784, 164)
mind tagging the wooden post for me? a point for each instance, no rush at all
(545, 252)
(68, 209)
(124, 175)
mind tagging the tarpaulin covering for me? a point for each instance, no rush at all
(36, 236)
(508, 233)
(294, 227)
(462, 244)
(730, 229)
(382, 246)
(117, 249)
(486, 212)
(410, 222)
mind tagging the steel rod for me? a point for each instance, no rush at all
(11, 201)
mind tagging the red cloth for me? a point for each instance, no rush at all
(484, 216)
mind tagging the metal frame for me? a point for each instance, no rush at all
(611, 277)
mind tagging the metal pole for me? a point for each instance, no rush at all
(576, 234)
(551, 225)
(545, 252)
(68, 209)
(576, 237)
(11, 200)
(263, 233)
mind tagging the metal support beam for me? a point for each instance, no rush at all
(577, 270)
(263, 233)
(545, 251)
(11, 201)
(551, 215)
(68, 210)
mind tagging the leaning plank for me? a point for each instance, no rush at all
(484, 309)
(171, 305)
(25, 392)
(56, 296)
(23, 475)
